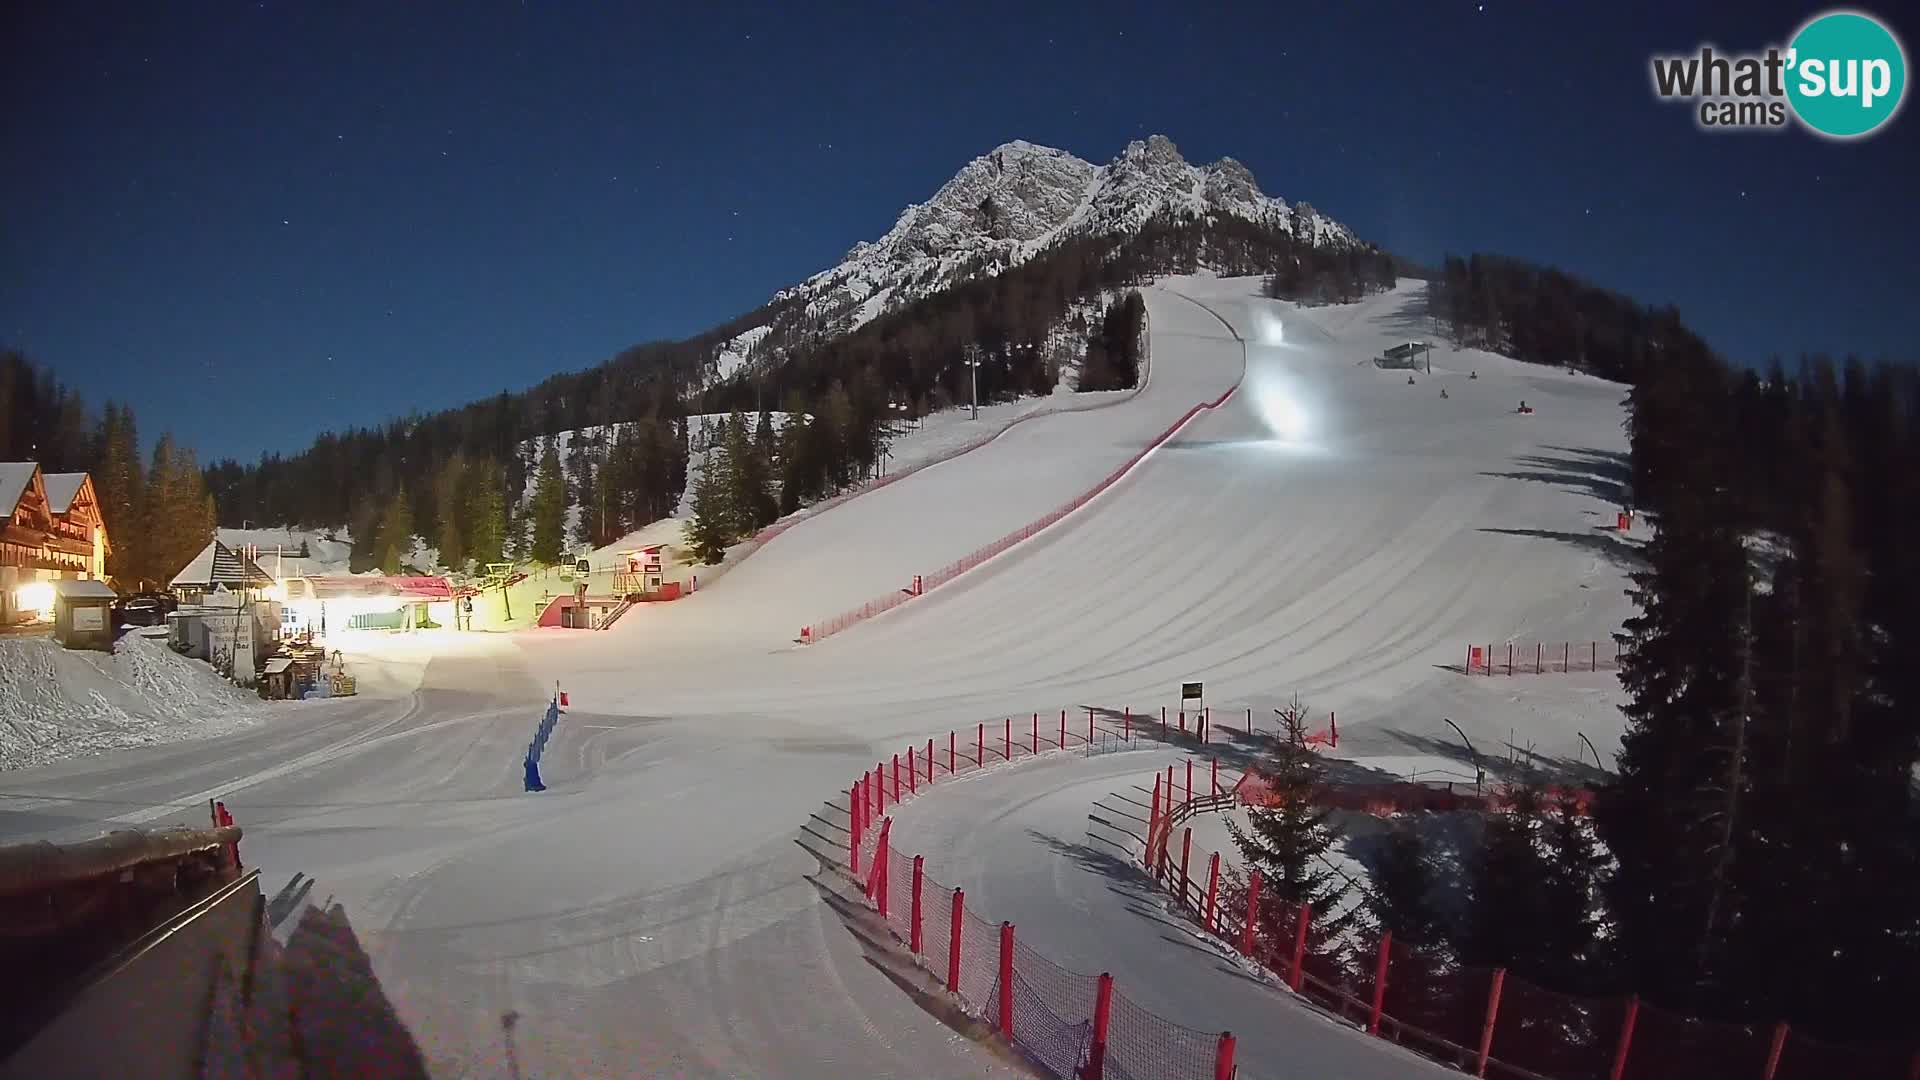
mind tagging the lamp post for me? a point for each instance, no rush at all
(973, 364)
(1479, 774)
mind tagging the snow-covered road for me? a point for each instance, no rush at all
(659, 910)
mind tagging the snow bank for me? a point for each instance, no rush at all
(58, 703)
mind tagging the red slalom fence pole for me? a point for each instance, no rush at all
(1509, 658)
(980, 745)
(1333, 728)
(1153, 819)
(1379, 975)
(896, 778)
(1566, 656)
(1493, 1013)
(853, 832)
(1005, 1018)
(1009, 750)
(913, 934)
(913, 774)
(1223, 1057)
(1036, 733)
(952, 738)
(1089, 725)
(1489, 659)
(1213, 889)
(1626, 1039)
(1102, 1019)
(1189, 783)
(930, 761)
(879, 788)
(1774, 1051)
(1186, 849)
(954, 923)
(1253, 912)
(1126, 723)
(1297, 976)
(1063, 729)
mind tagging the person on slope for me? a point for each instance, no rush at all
(1409, 380)
(1443, 393)
(1473, 374)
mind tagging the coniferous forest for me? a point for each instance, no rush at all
(156, 508)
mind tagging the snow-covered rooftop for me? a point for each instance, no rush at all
(14, 478)
(61, 489)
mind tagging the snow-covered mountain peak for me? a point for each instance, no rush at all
(1014, 201)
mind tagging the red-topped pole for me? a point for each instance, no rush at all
(955, 921)
(1005, 1025)
(913, 932)
(1213, 891)
(1102, 1019)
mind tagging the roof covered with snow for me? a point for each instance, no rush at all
(84, 589)
(218, 564)
(61, 489)
(14, 478)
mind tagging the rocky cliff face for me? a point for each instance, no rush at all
(1003, 207)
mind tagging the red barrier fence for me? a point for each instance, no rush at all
(1542, 657)
(1075, 1026)
(828, 627)
(1485, 1020)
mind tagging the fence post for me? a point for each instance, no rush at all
(1213, 780)
(1509, 658)
(1593, 655)
(1774, 1051)
(1626, 1039)
(1566, 656)
(1186, 849)
(953, 737)
(853, 832)
(1163, 720)
(896, 778)
(1493, 1012)
(879, 788)
(954, 923)
(1153, 819)
(913, 774)
(1005, 1025)
(1007, 754)
(1489, 659)
(1189, 783)
(1253, 911)
(1102, 1019)
(980, 745)
(1036, 733)
(1213, 889)
(1089, 725)
(1223, 1058)
(1126, 723)
(1295, 977)
(930, 761)
(1379, 979)
(1333, 728)
(913, 934)
(1537, 669)
(1206, 721)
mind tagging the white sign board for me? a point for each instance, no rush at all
(89, 618)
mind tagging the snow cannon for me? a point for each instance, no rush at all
(1524, 409)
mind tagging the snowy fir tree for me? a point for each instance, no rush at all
(708, 532)
(1288, 840)
(548, 510)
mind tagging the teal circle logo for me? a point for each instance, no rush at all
(1846, 74)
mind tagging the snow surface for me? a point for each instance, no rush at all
(58, 703)
(668, 904)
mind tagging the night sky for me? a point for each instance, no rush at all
(259, 221)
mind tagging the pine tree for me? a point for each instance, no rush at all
(1403, 882)
(1287, 841)
(120, 482)
(450, 508)
(586, 532)
(396, 534)
(749, 485)
(549, 510)
(485, 513)
(707, 532)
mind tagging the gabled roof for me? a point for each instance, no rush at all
(84, 588)
(218, 564)
(14, 478)
(62, 487)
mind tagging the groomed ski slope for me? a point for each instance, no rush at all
(1348, 561)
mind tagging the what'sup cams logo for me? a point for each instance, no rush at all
(1842, 76)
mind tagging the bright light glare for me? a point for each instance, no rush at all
(1282, 412)
(1266, 328)
(36, 596)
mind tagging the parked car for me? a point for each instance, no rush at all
(140, 611)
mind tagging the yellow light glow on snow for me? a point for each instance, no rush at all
(36, 596)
